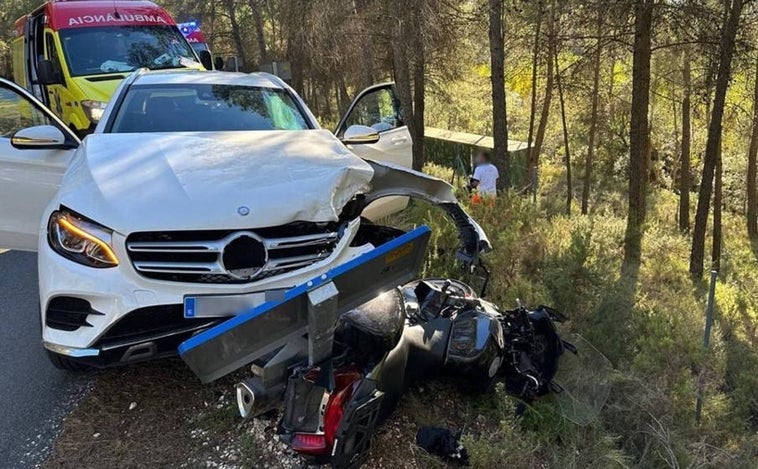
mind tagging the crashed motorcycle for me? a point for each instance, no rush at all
(339, 351)
(424, 329)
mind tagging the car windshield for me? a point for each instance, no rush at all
(206, 108)
(115, 49)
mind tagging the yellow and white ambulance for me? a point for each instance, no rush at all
(72, 55)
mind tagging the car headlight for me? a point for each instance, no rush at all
(80, 240)
(94, 109)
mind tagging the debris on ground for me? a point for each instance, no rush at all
(443, 443)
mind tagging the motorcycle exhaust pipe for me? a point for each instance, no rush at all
(254, 399)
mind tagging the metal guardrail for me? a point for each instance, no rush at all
(311, 308)
(457, 149)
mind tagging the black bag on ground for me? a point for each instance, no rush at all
(443, 443)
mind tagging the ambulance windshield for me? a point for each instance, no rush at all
(119, 49)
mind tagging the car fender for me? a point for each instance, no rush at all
(394, 180)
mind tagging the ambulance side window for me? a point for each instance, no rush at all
(52, 54)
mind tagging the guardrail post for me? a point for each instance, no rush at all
(322, 318)
(706, 341)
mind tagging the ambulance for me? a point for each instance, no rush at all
(72, 55)
(196, 38)
(193, 34)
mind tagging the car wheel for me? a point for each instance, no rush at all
(62, 362)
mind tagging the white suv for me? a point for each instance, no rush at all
(199, 195)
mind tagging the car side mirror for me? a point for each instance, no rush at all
(360, 134)
(206, 59)
(41, 137)
(46, 73)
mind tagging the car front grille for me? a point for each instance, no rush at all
(230, 256)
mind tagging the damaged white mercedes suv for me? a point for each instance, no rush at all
(199, 195)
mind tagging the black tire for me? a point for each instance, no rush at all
(62, 362)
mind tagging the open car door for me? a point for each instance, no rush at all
(377, 107)
(35, 149)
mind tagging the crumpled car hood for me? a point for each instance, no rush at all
(199, 180)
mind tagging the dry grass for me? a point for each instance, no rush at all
(143, 416)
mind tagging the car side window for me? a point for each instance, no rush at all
(378, 110)
(17, 113)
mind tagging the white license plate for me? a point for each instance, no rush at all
(212, 306)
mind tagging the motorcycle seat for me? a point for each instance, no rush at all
(374, 327)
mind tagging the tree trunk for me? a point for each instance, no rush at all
(684, 173)
(712, 154)
(497, 76)
(531, 167)
(545, 114)
(367, 52)
(212, 22)
(291, 14)
(325, 91)
(593, 118)
(314, 95)
(639, 134)
(419, 85)
(569, 186)
(259, 33)
(408, 59)
(239, 44)
(752, 196)
(717, 197)
(343, 97)
(419, 107)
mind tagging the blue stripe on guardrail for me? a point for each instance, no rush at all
(212, 333)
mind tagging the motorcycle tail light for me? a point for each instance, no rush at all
(308, 443)
(346, 381)
(333, 413)
(321, 444)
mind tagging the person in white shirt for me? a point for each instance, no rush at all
(485, 176)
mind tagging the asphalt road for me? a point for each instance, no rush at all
(34, 396)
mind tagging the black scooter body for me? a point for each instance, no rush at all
(464, 338)
(426, 329)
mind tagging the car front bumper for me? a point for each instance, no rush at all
(133, 318)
